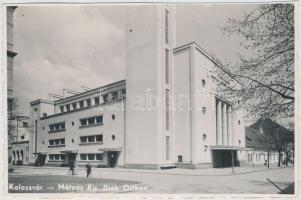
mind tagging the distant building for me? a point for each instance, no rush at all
(20, 140)
(172, 115)
(260, 143)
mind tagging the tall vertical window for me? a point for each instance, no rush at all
(167, 148)
(167, 117)
(166, 66)
(166, 26)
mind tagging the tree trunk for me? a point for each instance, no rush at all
(279, 158)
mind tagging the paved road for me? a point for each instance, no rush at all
(203, 181)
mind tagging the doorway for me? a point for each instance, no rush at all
(112, 158)
(223, 158)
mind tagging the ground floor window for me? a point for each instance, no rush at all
(91, 156)
(56, 157)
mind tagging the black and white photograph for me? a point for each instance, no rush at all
(150, 98)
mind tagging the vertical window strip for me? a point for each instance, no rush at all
(167, 117)
(166, 26)
(166, 66)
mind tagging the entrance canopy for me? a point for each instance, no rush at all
(110, 149)
(224, 147)
(69, 151)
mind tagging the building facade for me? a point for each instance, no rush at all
(20, 140)
(172, 115)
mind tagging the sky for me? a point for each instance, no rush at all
(72, 46)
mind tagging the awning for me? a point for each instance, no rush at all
(40, 153)
(69, 151)
(110, 149)
(224, 147)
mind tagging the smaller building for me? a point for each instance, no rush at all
(264, 140)
(20, 140)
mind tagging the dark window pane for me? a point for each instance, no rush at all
(96, 99)
(99, 119)
(91, 139)
(62, 108)
(51, 142)
(83, 156)
(62, 125)
(99, 138)
(74, 106)
(81, 104)
(99, 156)
(51, 127)
(91, 156)
(57, 126)
(62, 141)
(68, 107)
(57, 156)
(83, 139)
(91, 120)
(63, 156)
(83, 122)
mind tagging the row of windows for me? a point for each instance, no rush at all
(57, 127)
(91, 156)
(56, 157)
(261, 157)
(112, 96)
(91, 121)
(57, 142)
(91, 139)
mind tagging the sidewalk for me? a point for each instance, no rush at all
(175, 171)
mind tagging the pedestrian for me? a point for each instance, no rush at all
(72, 168)
(88, 168)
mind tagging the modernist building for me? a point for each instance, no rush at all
(172, 114)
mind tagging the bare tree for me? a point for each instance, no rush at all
(263, 80)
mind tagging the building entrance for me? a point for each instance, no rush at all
(112, 158)
(40, 160)
(224, 158)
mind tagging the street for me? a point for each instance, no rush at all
(245, 180)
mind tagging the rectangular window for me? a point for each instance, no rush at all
(68, 107)
(83, 122)
(22, 137)
(57, 157)
(57, 126)
(91, 156)
(96, 100)
(62, 109)
(62, 125)
(25, 124)
(105, 98)
(88, 102)
(83, 139)
(81, 104)
(74, 106)
(99, 156)
(166, 26)
(51, 142)
(167, 117)
(98, 138)
(167, 148)
(51, 157)
(91, 139)
(114, 95)
(99, 119)
(166, 66)
(83, 156)
(51, 127)
(180, 158)
(91, 120)
(62, 141)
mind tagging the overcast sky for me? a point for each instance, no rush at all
(74, 46)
